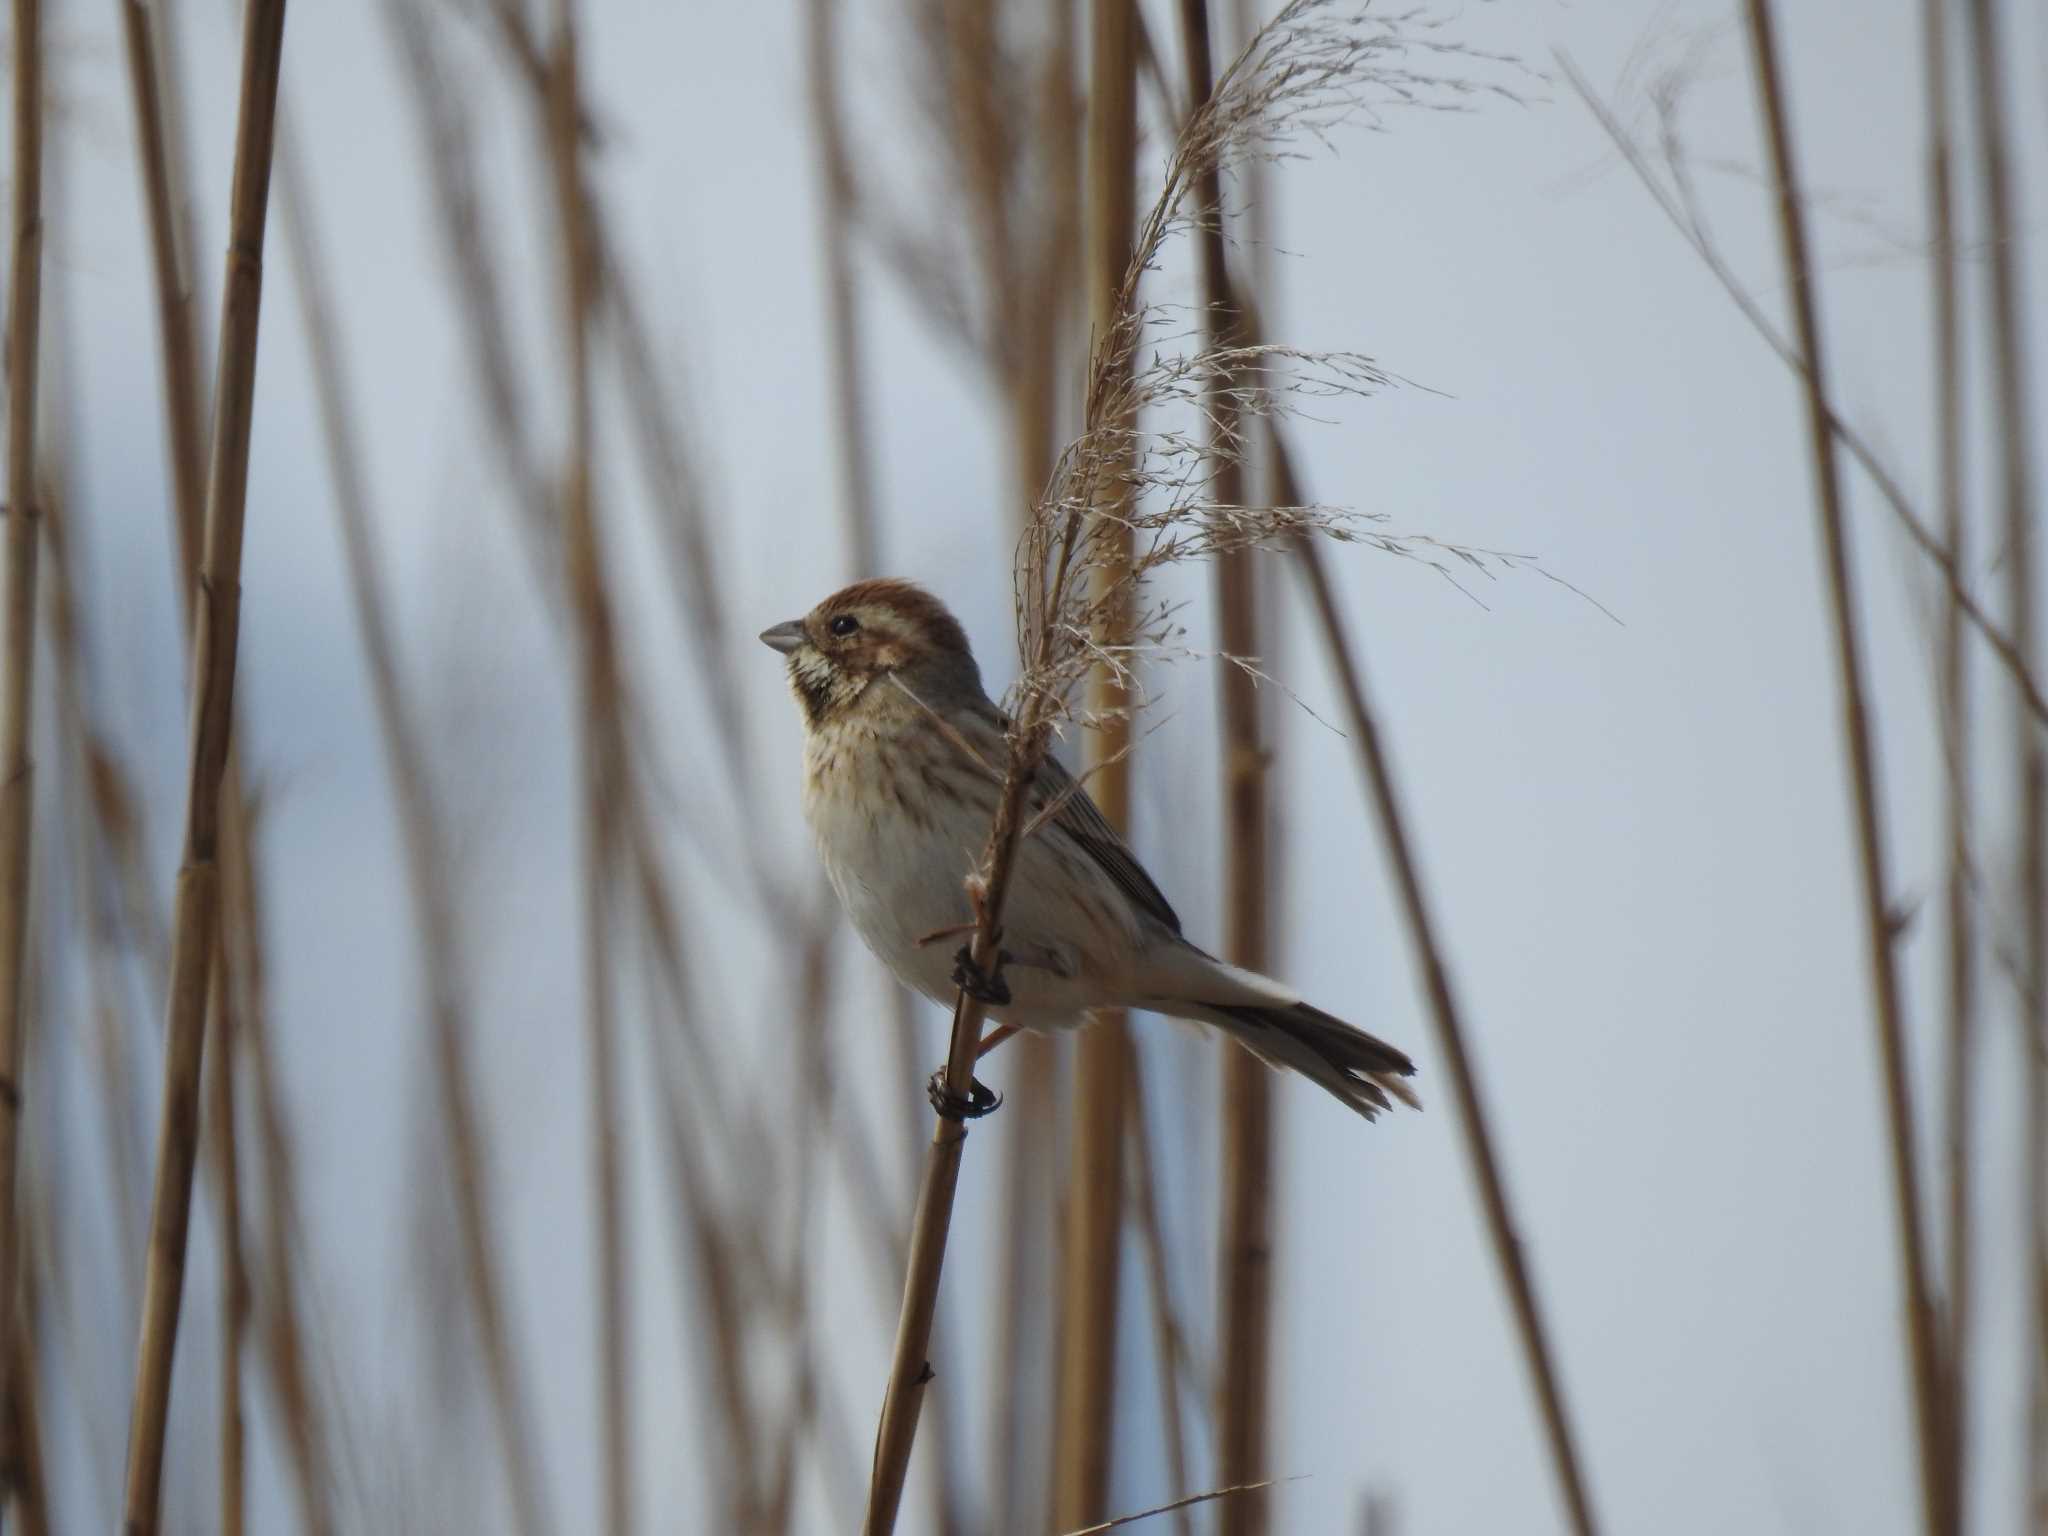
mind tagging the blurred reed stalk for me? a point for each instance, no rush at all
(1377, 772)
(1169, 1338)
(17, 682)
(842, 310)
(429, 865)
(2012, 401)
(197, 907)
(234, 1280)
(1952, 693)
(1246, 1220)
(178, 350)
(1922, 1339)
(600, 756)
(1105, 1072)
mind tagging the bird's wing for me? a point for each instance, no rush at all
(1082, 820)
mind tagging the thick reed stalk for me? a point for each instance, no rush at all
(1923, 1345)
(1378, 775)
(1021, 1324)
(428, 864)
(1953, 694)
(601, 750)
(196, 909)
(17, 663)
(1245, 1291)
(1084, 1397)
(2012, 394)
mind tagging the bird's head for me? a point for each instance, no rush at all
(866, 632)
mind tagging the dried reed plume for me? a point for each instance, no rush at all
(1123, 503)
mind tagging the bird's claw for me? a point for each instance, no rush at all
(979, 1100)
(986, 987)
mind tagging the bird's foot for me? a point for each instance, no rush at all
(986, 987)
(979, 1100)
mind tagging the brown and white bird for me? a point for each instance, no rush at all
(904, 758)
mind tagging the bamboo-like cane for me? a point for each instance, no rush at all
(197, 907)
(1378, 774)
(1923, 1346)
(1952, 688)
(1084, 1396)
(2012, 390)
(1245, 1292)
(17, 690)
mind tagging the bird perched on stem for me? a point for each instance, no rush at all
(904, 759)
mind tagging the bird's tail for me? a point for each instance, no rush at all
(1361, 1070)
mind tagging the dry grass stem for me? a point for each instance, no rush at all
(178, 349)
(2012, 389)
(1105, 1063)
(234, 1283)
(601, 756)
(197, 908)
(1169, 1338)
(1190, 1501)
(1246, 1221)
(821, 58)
(1952, 691)
(1923, 1345)
(17, 665)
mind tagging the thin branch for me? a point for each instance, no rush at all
(1923, 1346)
(196, 911)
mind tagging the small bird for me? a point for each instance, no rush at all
(904, 760)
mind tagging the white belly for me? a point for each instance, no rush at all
(901, 879)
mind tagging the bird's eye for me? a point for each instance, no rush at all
(845, 624)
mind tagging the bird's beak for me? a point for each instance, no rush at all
(784, 637)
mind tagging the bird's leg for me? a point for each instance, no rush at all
(979, 1100)
(987, 987)
(994, 1038)
(952, 932)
